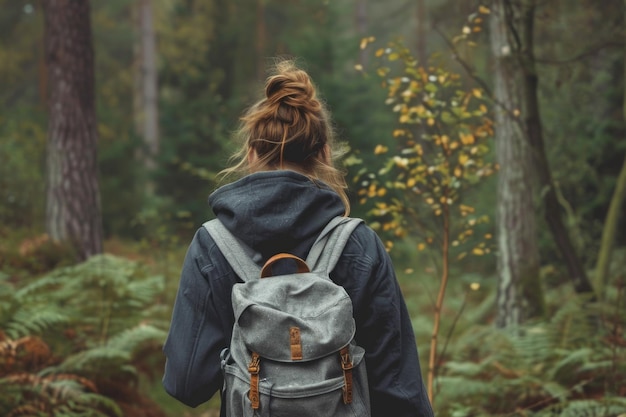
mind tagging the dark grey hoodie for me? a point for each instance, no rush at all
(284, 211)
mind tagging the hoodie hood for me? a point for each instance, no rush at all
(276, 211)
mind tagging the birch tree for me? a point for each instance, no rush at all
(519, 290)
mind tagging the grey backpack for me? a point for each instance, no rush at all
(292, 351)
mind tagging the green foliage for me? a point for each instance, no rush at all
(571, 364)
(22, 147)
(71, 334)
(442, 150)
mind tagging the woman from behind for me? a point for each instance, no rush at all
(288, 190)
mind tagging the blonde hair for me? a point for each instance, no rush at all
(290, 128)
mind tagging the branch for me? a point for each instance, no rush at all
(468, 69)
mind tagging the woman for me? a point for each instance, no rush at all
(289, 191)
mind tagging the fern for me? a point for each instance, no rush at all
(61, 394)
(112, 358)
(612, 407)
(570, 365)
(98, 325)
(105, 293)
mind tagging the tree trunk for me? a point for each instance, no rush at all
(420, 33)
(146, 84)
(73, 198)
(532, 119)
(519, 290)
(611, 222)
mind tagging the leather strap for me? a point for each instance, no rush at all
(254, 368)
(295, 343)
(346, 365)
(267, 268)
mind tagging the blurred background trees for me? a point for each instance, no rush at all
(170, 78)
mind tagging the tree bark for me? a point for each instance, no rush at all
(420, 33)
(519, 288)
(73, 211)
(532, 120)
(146, 82)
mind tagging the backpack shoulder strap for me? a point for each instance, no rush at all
(238, 254)
(329, 245)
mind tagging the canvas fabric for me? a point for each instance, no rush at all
(291, 334)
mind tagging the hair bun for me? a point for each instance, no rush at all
(290, 86)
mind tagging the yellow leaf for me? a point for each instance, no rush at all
(463, 158)
(477, 93)
(421, 246)
(380, 52)
(380, 149)
(430, 121)
(467, 139)
(474, 286)
(398, 132)
(482, 108)
(358, 67)
(381, 192)
(410, 182)
(458, 172)
(484, 10)
(469, 209)
(478, 251)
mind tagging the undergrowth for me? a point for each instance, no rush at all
(75, 341)
(568, 365)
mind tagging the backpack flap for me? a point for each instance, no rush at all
(309, 317)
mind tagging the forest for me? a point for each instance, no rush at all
(485, 144)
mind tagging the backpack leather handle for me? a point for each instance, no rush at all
(267, 268)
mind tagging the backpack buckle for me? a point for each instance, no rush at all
(254, 367)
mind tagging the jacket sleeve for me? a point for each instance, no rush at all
(384, 329)
(196, 337)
